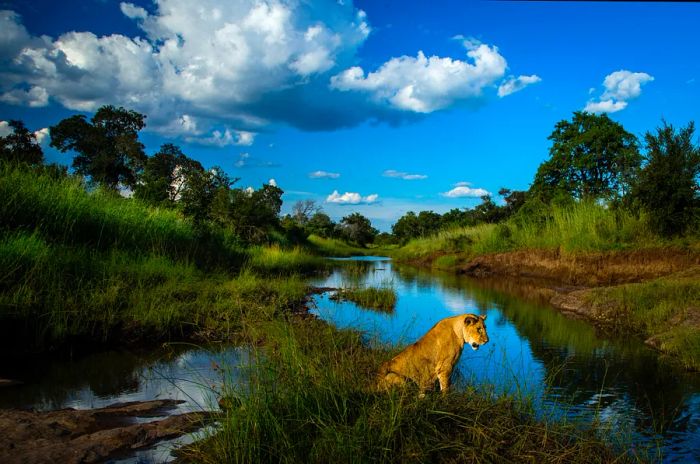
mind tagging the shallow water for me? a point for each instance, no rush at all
(562, 365)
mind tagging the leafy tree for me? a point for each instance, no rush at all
(411, 225)
(515, 199)
(321, 224)
(20, 146)
(591, 156)
(667, 186)
(251, 214)
(108, 149)
(200, 190)
(165, 175)
(358, 229)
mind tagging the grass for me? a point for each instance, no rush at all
(578, 228)
(335, 247)
(311, 399)
(63, 211)
(274, 260)
(382, 298)
(665, 310)
(52, 293)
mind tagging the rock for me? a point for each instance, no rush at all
(94, 435)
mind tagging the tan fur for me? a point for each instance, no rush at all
(434, 356)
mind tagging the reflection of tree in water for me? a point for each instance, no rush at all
(49, 384)
(581, 369)
(353, 273)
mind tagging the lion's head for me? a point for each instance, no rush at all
(474, 331)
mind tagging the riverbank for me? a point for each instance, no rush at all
(312, 398)
(652, 294)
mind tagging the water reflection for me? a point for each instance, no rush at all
(562, 364)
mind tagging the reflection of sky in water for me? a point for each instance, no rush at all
(623, 384)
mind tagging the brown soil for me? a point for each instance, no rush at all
(593, 269)
(83, 436)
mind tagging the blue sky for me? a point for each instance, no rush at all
(375, 106)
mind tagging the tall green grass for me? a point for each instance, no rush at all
(311, 398)
(51, 293)
(579, 227)
(379, 298)
(663, 310)
(274, 260)
(63, 211)
(334, 247)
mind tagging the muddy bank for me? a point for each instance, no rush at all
(83, 436)
(590, 270)
(607, 290)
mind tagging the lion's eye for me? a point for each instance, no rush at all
(479, 330)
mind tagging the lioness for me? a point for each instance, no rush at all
(434, 356)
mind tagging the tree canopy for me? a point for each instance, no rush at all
(358, 229)
(108, 149)
(20, 146)
(591, 156)
(667, 187)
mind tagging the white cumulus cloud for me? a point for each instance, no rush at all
(514, 84)
(464, 189)
(426, 84)
(351, 198)
(403, 175)
(620, 87)
(323, 175)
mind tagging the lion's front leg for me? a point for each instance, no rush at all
(444, 379)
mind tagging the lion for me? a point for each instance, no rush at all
(434, 356)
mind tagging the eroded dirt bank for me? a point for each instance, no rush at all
(84, 436)
(590, 269)
(610, 290)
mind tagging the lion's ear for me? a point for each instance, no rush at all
(470, 319)
(483, 318)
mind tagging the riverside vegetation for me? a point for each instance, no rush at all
(84, 266)
(623, 225)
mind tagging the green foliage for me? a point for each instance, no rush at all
(320, 224)
(108, 149)
(20, 146)
(62, 211)
(591, 157)
(663, 309)
(667, 187)
(311, 398)
(334, 247)
(357, 229)
(582, 226)
(165, 177)
(274, 260)
(250, 214)
(379, 298)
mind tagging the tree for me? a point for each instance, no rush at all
(249, 213)
(667, 186)
(358, 229)
(201, 189)
(303, 210)
(165, 175)
(108, 149)
(592, 156)
(20, 146)
(320, 224)
(411, 225)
